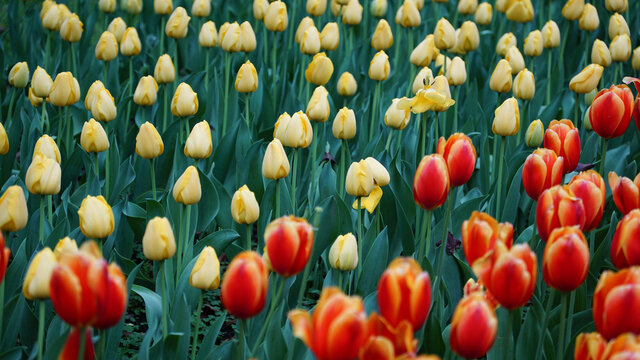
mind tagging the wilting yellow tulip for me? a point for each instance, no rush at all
(260, 9)
(344, 124)
(205, 274)
(533, 44)
(201, 8)
(71, 29)
(618, 6)
(520, 11)
(117, 27)
(33, 99)
(424, 77)
(343, 254)
(396, 118)
(146, 91)
(164, 72)
(43, 176)
(457, 73)
(330, 36)
(524, 85)
(359, 181)
(45, 146)
(199, 144)
(550, 35)
(501, 77)
(515, 59)
(380, 174)
(379, 67)
(316, 7)
(178, 23)
(103, 107)
(19, 75)
(36, 282)
(185, 101)
(149, 144)
(93, 138)
(158, 242)
(379, 8)
(229, 37)
(162, 7)
(573, 9)
(589, 20)
(107, 6)
(347, 85)
(620, 48)
(276, 18)
(382, 38)
(244, 206)
(208, 36)
(65, 90)
(275, 164)
(247, 78)
(505, 42)
(107, 47)
(293, 131)
(318, 107)
(370, 202)
(319, 70)
(65, 246)
(310, 43)
(134, 7)
(51, 18)
(13, 209)
(600, 53)
(635, 60)
(408, 15)
(96, 217)
(435, 97)
(425, 52)
(4, 141)
(506, 120)
(444, 35)
(130, 45)
(484, 14)
(618, 26)
(41, 83)
(587, 79)
(535, 134)
(187, 188)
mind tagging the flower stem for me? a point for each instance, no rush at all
(561, 334)
(50, 215)
(425, 236)
(42, 117)
(181, 241)
(163, 286)
(248, 237)
(197, 329)
(343, 161)
(443, 245)
(604, 156)
(11, 102)
(273, 71)
(275, 297)
(246, 112)
(130, 94)
(592, 242)
(206, 70)
(41, 330)
(455, 111)
(508, 336)
(46, 51)
(83, 332)
(545, 323)
(295, 175)
(548, 98)
(225, 106)
(277, 198)
(73, 60)
(572, 301)
(153, 179)
(360, 236)
(386, 147)
(374, 110)
(164, 105)
(423, 130)
(163, 20)
(303, 284)
(242, 339)
(499, 178)
(41, 231)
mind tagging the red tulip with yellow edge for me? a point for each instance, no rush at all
(244, 285)
(509, 274)
(611, 110)
(288, 244)
(480, 233)
(473, 327)
(564, 139)
(626, 193)
(337, 330)
(471, 286)
(565, 262)
(623, 347)
(460, 155)
(431, 182)
(71, 348)
(400, 337)
(5, 253)
(558, 207)
(542, 170)
(616, 302)
(588, 186)
(625, 247)
(404, 293)
(589, 346)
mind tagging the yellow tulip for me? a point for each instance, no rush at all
(244, 206)
(484, 14)
(379, 67)
(506, 120)
(396, 118)
(198, 144)
(276, 18)
(162, 7)
(247, 38)
(94, 89)
(467, 37)
(164, 72)
(45, 146)
(205, 274)
(19, 75)
(93, 138)
(520, 11)
(344, 124)
(107, 47)
(500, 80)
(187, 188)
(51, 18)
(382, 38)
(408, 15)
(359, 181)
(524, 85)
(185, 101)
(319, 70)
(347, 85)
(46, 4)
(444, 35)
(134, 7)
(178, 24)
(4, 141)
(318, 107)
(229, 37)
(550, 35)
(589, 20)
(146, 91)
(330, 36)
(457, 73)
(247, 78)
(379, 172)
(41, 83)
(587, 79)
(535, 134)
(149, 144)
(635, 60)
(515, 59)
(573, 9)
(208, 36)
(369, 202)
(343, 254)
(600, 53)
(424, 78)
(352, 13)
(71, 29)
(43, 176)
(293, 131)
(618, 26)
(310, 43)
(104, 107)
(130, 45)
(305, 23)
(13, 209)
(467, 7)
(379, 8)
(533, 44)
(36, 282)
(275, 164)
(117, 27)
(259, 9)
(201, 8)
(107, 6)
(65, 90)
(34, 99)
(96, 217)
(316, 7)
(64, 247)
(425, 52)
(435, 97)
(158, 242)
(505, 42)
(620, 48)
(618, 6)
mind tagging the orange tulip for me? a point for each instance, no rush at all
(588, 186)
(636, 103)
(564, 139)
(472, 287)
(623, 347)
(5, 253)
(400, 337)
(542, 169)
(244, 285)
(473, 326)
(589, 346)
(336, 330)
(480, 233)
(113, 298)
(616, 302)
(72, 345)
(404, 293)
(626, 193)
(565, 262)
(288, 243)
(509, 274)
(611, 110)
(460, 155)
(558, 207)
(431, 182)
(625, 248)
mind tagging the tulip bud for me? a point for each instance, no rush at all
(456, 73)
(13, 209)
(347, 85)
(96, 217)
(93, 138)
(185, 101)
(506, 42)
(589, 187)
(134, 7)
(359, 179)
(201, 8)
(107, 47)
(534, 135)
(47, 147)
(396, 118)
(288, 243)
(199, 145)
(244, 286)
(247, 78)
(352, 13)
(247, 39)
(276, 18)
(566, 249)
(164, 72)
(379, 8)
(316, 7)
(319, 70)
(424, 77)
(310, 42)
(558, 207)
(187, 188)
(33, 99)
(51, 17)
(460, 155)
(444, 35)
(500, 80)
(484, 14)
(626, 193)
(587, 79)
(330, 36)
(4, 141)
(318, 108)
(635, 60)
(275, 164)
(506, 120)
(65, 90)
(162, 7)
(524, 85)
(408, 15)
(600, 53)
(425, 52)
(36, 282)
(382, 37)
(611, 110)
(480, 234)
(41, 83)
(146, 91)
(205, 274)
(618, 26)
(564, 139)
(624, 253)
(208, 36)
(589, 20)
(158, 242)
(474, 314)
(305, 23)
(343, 254)
(467, 37)
(103, 107)
(467, 7)
(573, 9)
(65, 247)
(542, 170)
(620, 48)
(614, 296)
(244, 206)
(117, 27)
(149, 143)
(130, 44)
(107, 6)
(378, 171)
(589, 346)
(344, 124)
(431, 182)
(589, 97)
(294, 131)
(379, 66)
(71, 29)
(520, 11)
(618, 6)
(93, 91)
(515, 59)
(259, 9)
(19, 75)
(178, 23)
(533, 44)
(43, 176)
(550, 35)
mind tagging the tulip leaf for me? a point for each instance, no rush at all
(208, 343)
(374, 263)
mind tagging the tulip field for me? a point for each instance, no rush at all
(320, 179)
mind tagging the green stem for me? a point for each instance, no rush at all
(225, 106)
(246, 112)
(187, 238)
(273, 72)
(576, 108)
(46, 50)
(206, 70)
(343, 161)
(175, 62)
(60, 123)
(41, 231)
(73, 60)
(265, 54)
(106, 174)
(181, 241)
(436, 127)
(165, 106)
(41, 330)
(303, 284)
(277, 198)
(50, 214)
(277, 292)
(248, 247)
(374, 110)
(572, 301)
(561, 334)
(83, 332)
(499, 178)
(443, 244)
(426, 226)
(548, 98)
(42, 116)
(360, 236)
(11, 102)
(386, 147)
(592, 242)
(101, 344)
(422, 120)
(153, 179)
(130, 93)
(163, 293)
(68, 123)
(508, 336)
(295, 175)
(197, 329)
(242, 339)
(604, 156)
(340, 276)
(545, 323)
(163, 21)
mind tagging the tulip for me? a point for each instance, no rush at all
(149, 143)
(107, 6)
(435, 97)
(146, 91)
(47, 147)
(318, 108)
(626, 193)
(515, 59)
(295, 131)
(247, 78)
(276, 18)
(162, 7)
(319, 70)
(117, 27)
(305, 23)
(4, 141)
(359, 180)
(468, 37)
(107, 47)
(382, 38)
(384, 340)
(36, 282)
(247, 39)
(467, 7)
(347, 85)
(185, 101)
(542, 170)
(624, 252)
(484, 14)
(505, 42)
(480, 234)
(379, 66)
(506, 121)
(65, 90)
(103, 107)
(620, 48)
(589, 187)
(244, 285)
(456, 73)
(460, 155)
(600, 53)
(566, 249)
(178, 23)
(164, 71)
(43, 176)
(589, 346)
(41, 83)
(33, 99)
(201, 8)
(72, 344)
(611, 111)
(158, 242)
(573, 9)
(130, 44)
(205, 274)
(618, 6)
(352, 13)
(635, 60)
(330, 36)
(431, 182)
(524, 85)
(259, 9)
(187, 189)
(589, 20)
(64, 247)
(425, 52)
(19, 75)
(509, 274)
(338, 328)
(425, 76)
(244, 206)
(275, 164)
(558, 207)
(533, 44)
(473, 326)
(199, 144)
(564, 139)
(587, 79)
(13, 209)
(51, 18)
(208, 36)
(343, 254)
(344, 124)
(378, 171)
(379, 8)
(71, 29)
(618, 26)
(310, 42)
(134, 7)
(615, 300)
(396, 118)
(408, 15)
(500, 80)
(288, 244)
(550, 35)
(94, 89)
(316, 7)
(444, 35)
(96, 217)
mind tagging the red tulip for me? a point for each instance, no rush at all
(542, 169)
(509, 274)
(623, 347)
(431, 182)
(5, 253)
(460, 155)
(558, 207)
(244, 285)
(377, 348)
(589, 346)
(113, 298)
(564, 139)
(616, 302)
(471, 286)
(588, 186)
(565, 262)
(625, 247)
(473, 326)
(480, 233)
(636, 103)
(72, 345)
(337, 330)
(611, 110)
(626, 193)
(400, 337)
(288, 244)
(404, 293)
